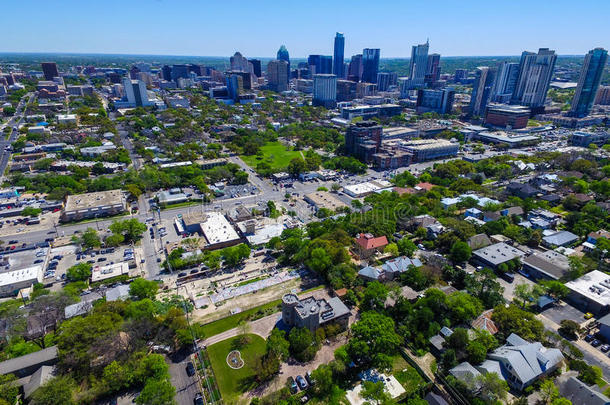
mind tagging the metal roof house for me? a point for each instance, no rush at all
(521, 363)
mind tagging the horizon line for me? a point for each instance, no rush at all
(251, 57)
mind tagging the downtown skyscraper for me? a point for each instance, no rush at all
(588, 82)
(419, 64)
(506, 80)
(481, 90)
(282, 54)
(370, 64)
(338, 57)
(535, 73)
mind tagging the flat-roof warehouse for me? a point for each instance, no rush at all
(91, 205)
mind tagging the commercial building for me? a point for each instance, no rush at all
(235, 86)
(391, 158)
(370, 111)
(180, 72)
(591, 292)
(547, 265)
(535, 73)
(12, 281)
(363, 189)
(429, 149)
(49, 70)
(312, 313)
(218, 231)
(346, 90)
(383, 81)
(482, 90)
(584, 139)
(438, 101)
(240, 63)
(93, 205)
(277, 75)
(99, 273)
(494, 255)
(324, 90)
(507, 116)
(324, 199)
(399, 133)
(320, 64)
(283, 55)
(339, 50)
(512, 141)
(370, 64)
(588, 82)
(354, 70)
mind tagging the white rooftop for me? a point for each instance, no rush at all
(217, 229)
(16, 276)
(594, 285)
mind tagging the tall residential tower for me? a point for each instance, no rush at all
(588, 82)
(338, 61)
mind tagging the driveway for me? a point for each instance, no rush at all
(509, 288)
(186, 387)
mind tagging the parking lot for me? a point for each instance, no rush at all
(186, 386)
(561, 311)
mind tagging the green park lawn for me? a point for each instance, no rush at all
(230, 322)
(274, 153)
(233, 383)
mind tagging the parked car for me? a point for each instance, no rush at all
(310, 380)
(292, 386)
(595, 343)
(190, 369)
(198, 400)
(604, 348)
(181, 274)
(588, 315)
(589, 338)
(302, 383)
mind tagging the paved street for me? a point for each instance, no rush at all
(592, 355)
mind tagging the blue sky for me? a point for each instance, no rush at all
(259, 27)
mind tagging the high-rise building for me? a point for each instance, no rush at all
(481, 90)
(588, 82)
(460, 74)
(438, 101)
(136, 92)
(363, 140)
(245, 76)
(180, 71)
(383, 81)
(506, 80)
(339, 55)
(433, 69)
(321, 64)
(240, 63)
(166, 73)
(324, 90)
(282, 54)
(603, 95)
(197, 69)
(346, 90)
(354, 71)
(277, 75)
(535, 73)
(370, 64)
(133, 72)
(235, 86)
(49, 69)
(256, 66)
(419, 64)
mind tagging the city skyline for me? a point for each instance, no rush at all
(188, 32)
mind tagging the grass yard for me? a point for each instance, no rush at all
(252, 314)
(233, 383)
(230, 322)
(274, 153)
(406, 375)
